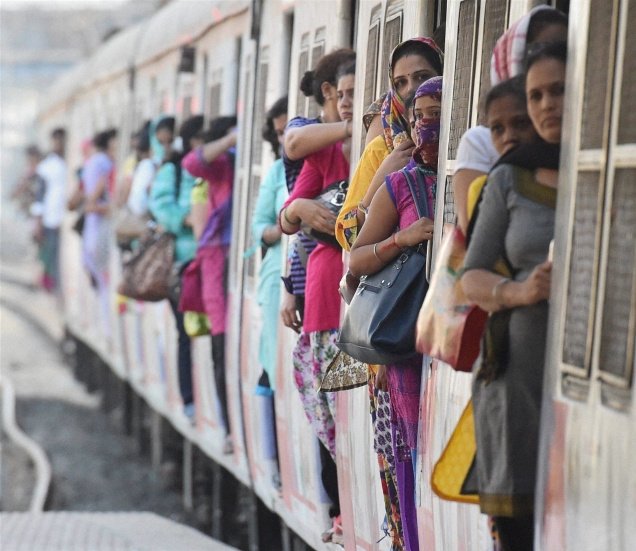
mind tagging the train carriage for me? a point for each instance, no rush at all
(221, 58)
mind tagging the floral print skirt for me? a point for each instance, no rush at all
(311, 357)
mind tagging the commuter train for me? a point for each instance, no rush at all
(221, 57)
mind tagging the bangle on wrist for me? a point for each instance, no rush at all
(290, 222)
(375, 252)
(363, 209)
(497, 288)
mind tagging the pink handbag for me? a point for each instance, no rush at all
(191, 299)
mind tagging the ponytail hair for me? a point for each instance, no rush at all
(325, 71)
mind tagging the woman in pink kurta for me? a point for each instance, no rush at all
(214, 162)
(317, 347)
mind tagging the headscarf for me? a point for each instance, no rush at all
(509, 53)
(396, 127)
(423, 165)
(374, 109)
(427, 129)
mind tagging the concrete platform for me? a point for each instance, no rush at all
(71, 531)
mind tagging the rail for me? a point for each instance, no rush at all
(33, 450)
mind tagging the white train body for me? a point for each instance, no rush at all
(247, 55)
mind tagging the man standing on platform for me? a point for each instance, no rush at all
(49, 210)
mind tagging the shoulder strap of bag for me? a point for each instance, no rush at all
(418, 192)
(527, 186)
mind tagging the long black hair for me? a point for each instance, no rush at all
(278, 109)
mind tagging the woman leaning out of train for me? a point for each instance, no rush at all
(507, 388)
(169, 204)
(303, 137)
(214, 162)
(96, 177)
(137, 201)
(378, 244)
(412, 62)
(475, 155)
(316, 348)
(267, 233)
(320, 84)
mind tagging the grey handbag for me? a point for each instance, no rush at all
(379, 326)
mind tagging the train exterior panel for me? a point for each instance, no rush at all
(246, 55)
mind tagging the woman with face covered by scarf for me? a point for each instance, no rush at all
(393, 224)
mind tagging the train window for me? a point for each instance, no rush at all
(303, 67)
(259, 114)
(214, 101)
(187, 107)
(248, 86)
(577, 337)
(495, 18)
(627, 119)
(254, 185)
(371, 64)
(464, 62)
(617, 326)
(440, 14)
(449, 202)
(583, 295)
(597, 82)
(619, 306)
(392, 37)
(154, 100)
(317, 52)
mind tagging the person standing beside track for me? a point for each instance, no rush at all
(49, 208)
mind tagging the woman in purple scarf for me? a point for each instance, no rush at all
(393, 224)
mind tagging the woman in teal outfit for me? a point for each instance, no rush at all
(265, 229)
(169, 204)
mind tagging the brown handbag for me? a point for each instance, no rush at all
(147, 273)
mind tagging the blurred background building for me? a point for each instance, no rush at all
(39, 40)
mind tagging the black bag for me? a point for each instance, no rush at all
(379, 326)
(333, 198)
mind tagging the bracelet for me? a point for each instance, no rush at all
(363, 209)
(375, 251)
(495, 289)
(288, 220)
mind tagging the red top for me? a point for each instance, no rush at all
(324, 267)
